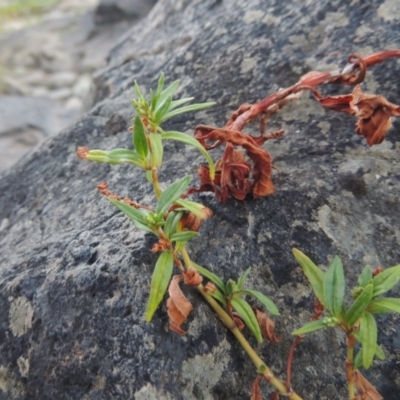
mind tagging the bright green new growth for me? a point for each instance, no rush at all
(357, 320)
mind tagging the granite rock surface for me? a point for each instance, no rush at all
(75, 273)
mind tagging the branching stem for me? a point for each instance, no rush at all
(261, 367)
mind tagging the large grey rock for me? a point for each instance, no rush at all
(75, 274)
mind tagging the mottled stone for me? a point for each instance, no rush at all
(85, 270)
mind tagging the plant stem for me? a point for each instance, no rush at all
(156, 184)
(261, 367)
(350, 372)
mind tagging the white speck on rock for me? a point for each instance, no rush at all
(253, 16)
(389, 10)
(248, 64)
(21, 314)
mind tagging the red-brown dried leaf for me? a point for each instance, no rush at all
(161, 245)
(373, 113)
(318, 310)
(234, 176)
(274, 396)
(377, 271)
(238, 321)
(192, 277)
(178, 306)
(256, 390)
(365, 389)
(267, 326)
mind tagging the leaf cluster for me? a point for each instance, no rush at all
(358, 319)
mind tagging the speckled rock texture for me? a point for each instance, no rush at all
(75, 273)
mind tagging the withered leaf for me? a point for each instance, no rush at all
(178, 306)
(365, 389)
(373, 113)
(255, 389)
(234, 170)
(267, 326)
(192, 277)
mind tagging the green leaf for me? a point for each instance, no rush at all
(386, 280)
(139, 94)
(171, 222)
(359, 305)
(165, 94)
(210, 276)
(218, 296)
(162, 111)
(116, 156)
(133, 213)
(230, 288)
(139, 138)
(183, 236)
(191, 206)
(172, 193)
(358, 359)
(185, 138)
(314, 274)
(156, 96)
(384, 306)
(157, 149)
(159, 282)
(379, 353)
(247, 315)
(264, 300)
(191, 107)
(368, 334)
(242, 279)
(177, 103)
(334, 286)
(365, 276)
(310, 327)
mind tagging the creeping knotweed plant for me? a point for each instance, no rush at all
(175, 220)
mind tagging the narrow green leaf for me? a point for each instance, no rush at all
(159, 282)
(191, 206)
(139, 93)
(264, 300)
(230, 288)
(386, 280)
(379, 353)
(183, 236)
(358, 359)
(116, 156)
(247, 315)
(139, 138)
(310, 327)
(156, 96)
(334, 286)
(365, 277)
(172, 193)
(369, 335)
(157, 148)
(359, 305)
(314, 274)
(385, 306)
(210, 276)
(177, 103)
(133, 213)
(162, 111)
(191, 107)
(160, 85)
(242, 279)
(185, 138)
(218, 296)
(171, 222)
(165, 94)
